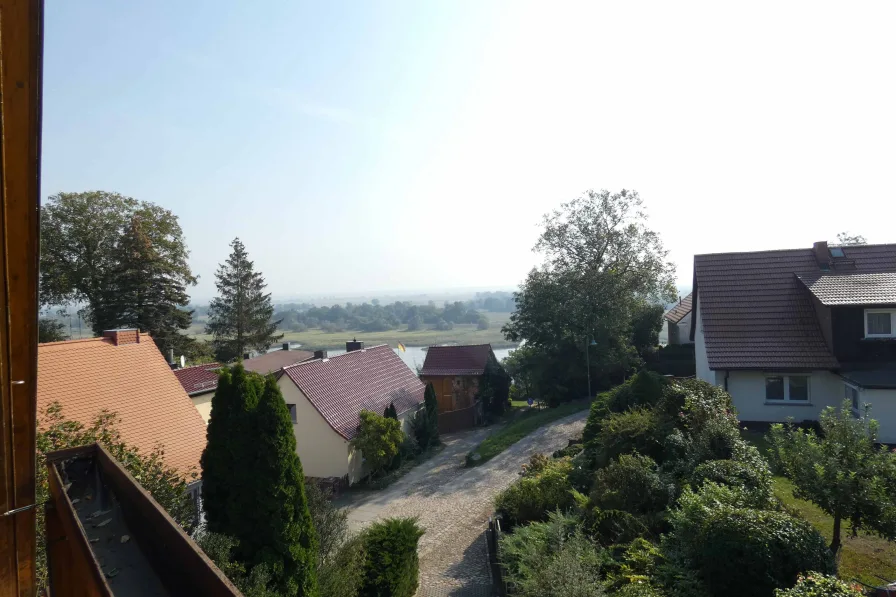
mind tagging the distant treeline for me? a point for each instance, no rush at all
(375, 317)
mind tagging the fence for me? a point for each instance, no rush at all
(458, 420)
(492, 542)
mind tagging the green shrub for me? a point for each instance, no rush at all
(391, 565)
(741, 552)
(574, 448)
(814, 584)
(632, 574)
(343, 574)
(689, 404)
(631, 484)
(552, 558)
(644, 389)
(624, 433)
(533, 497)
(755, 479)
(599, 410)
(612, 527)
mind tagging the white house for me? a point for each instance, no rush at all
(678, 321)
(788, 333)
(325, 397)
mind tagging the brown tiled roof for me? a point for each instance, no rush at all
(456, 360)
(756, 313)
(676, 313)
(853, 289)
(132, 380)
(198, 379)
(276, 360)
(342, 386)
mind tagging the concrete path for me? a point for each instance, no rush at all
(453, 504)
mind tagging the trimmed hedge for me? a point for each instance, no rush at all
(391, 565)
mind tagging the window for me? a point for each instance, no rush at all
(837, 252)
(292, 412)
(787, 388)
(852, 394)
(879, 323)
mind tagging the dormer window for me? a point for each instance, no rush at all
(880, 323)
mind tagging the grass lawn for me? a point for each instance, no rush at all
(521, 426)
(864, 557)
(465, 333)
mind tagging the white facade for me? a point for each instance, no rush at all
(679, 333)
(748, 392)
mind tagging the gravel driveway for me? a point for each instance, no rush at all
(453, 504)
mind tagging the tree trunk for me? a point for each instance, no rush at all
(835, 541)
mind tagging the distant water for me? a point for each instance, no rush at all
(415, 355)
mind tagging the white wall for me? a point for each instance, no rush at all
(703, 370)
(747, 389)
(684, 329)
(323, 452)
(883, 409)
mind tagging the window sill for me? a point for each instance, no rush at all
(787, 403)
(879, 339)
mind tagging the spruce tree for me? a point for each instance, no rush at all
(226, 463)
(143, 290)
(277, 526)
(240, 317)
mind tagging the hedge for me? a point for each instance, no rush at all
(391, 566)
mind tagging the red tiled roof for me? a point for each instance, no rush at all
(132, 380)
(342, 386)
(456, 360)
(276, 360)
(756, 313)
(853, 289)
(198, 379)
(676, 313)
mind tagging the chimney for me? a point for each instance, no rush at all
(822, 254)
(123, 336)
(354, 345)
(286, 346)
(171, 360)
(320, 354)
(247, 356)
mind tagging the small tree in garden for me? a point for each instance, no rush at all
(378, 440)
(842, 471)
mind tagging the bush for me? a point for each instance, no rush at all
(644, 389)
(534, 497)
(741, 552)
(631, 484)
(391, 565)
(552, 558)
(628, 432)
(814, 584)
(342, 574)
(600, 409)
(378, 439)
(755, 480)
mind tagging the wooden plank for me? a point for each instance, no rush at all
(21, 24)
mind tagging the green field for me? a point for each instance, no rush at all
(863, 557)
(461, 334)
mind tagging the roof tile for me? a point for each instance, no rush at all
(198, 379)
(677, 313)
(456, 360)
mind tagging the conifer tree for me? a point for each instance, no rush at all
(431, 406)
(391, 412)
(240, 316)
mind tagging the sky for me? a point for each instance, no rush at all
(387, 145)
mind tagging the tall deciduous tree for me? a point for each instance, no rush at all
(843, 471)
(601, 265)
(240, 317)
(143, 291)
(84, 237)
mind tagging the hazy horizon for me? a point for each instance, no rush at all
(416, 145)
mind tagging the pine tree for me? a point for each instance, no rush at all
(278, 530)
(225, 465)
(143, 290)
(240, 317)
(391, 412)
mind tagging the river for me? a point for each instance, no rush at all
(414, 356)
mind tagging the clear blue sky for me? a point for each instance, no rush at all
(387, 145)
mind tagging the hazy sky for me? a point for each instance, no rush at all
(386, 145)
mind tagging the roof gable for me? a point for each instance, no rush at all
(369, 379)
(131, 380)
(457, 360)
(678, 312)
(757, 314)
(852, 289)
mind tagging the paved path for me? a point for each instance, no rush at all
(453, 504)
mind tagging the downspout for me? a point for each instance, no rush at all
(727, 372)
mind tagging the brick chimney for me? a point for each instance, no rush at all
(320, 354)
(122, 337)
(822, 254)
(354, 345)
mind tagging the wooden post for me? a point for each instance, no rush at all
(21, 30)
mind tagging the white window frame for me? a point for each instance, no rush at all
(786, 377)
(856, 411)
(891, 312)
